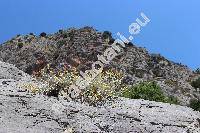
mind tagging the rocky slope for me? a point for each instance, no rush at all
(22, 112)
(80, 47)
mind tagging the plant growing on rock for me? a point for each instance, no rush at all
(196, 83)
(107, 36)
(20, 45)
(197, 71)
(195, 104)
(57, 80)
(43, 34)
(31, 87)
(106, 85)
(148, 91)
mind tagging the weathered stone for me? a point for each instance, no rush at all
(22, 112)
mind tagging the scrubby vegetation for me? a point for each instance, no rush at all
(196, 83)
(197, 71)
(107, 34)
(195, 104)
(43, 34)
(108, 37)
(148, 91)
(105, 86)
(20, 45)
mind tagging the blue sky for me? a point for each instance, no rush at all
(173, 31)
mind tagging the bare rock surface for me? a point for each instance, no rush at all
(22, 112)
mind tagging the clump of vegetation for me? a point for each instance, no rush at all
(32, 34)
(60, 43)
(107, 34)
(43, 34)
(195, 104)
(18, 35)
(104, 86)
(57, 80)
(196, 83)
(61, 31)
(148, 91)
(31, 87)
(20, 45)
(197, 71)
(171, 82)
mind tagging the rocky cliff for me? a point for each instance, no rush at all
(79, 48)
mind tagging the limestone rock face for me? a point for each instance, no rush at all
(22, 112)
(8, 71)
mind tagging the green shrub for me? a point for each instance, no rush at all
(107, 34)
(195, 104)
(20, 45)
(32, 34)
(60, 43)
(43, 34)
(196, 83)
(197, 71)
(172, 100)
(148, 91)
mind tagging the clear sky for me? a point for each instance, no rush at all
(174, 30)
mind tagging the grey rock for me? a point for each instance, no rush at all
(9, 71)
(22, 112)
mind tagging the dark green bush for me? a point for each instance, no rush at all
(107, 34)
(20, 45)
(32, 34)
(18, 35)
(197, 71)
(61, 31)
(196, 83)
(43, 34)
(148, 91)
(60, 43)
(195, 104)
